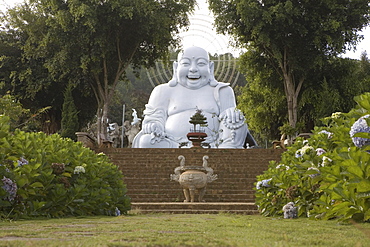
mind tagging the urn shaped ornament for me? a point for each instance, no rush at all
(193, 178)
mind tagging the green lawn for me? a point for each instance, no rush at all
(182, 230)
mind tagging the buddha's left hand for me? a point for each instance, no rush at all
(232, 115)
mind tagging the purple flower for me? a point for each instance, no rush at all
(315, 174)
(300, 152)
(10, 187)
(282, 166)
(263, 183)
(320, 151)
(325, 161)
(22, 161)
(117, 212)
(360, 126)
(329, 134)
(6, 168)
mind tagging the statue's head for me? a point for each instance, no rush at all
(193, 69)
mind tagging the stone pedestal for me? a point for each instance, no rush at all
(86, 140)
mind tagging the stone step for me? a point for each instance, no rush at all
(181, 197)
(155, 180)
(174, 193)
(166, 177)
(192, 211)
(177, 195)
(147, 177)
(235, 165)
(166, 191)
(214, 188)
(194, 208)
(170, 170)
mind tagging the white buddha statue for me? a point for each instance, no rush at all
(193, 87)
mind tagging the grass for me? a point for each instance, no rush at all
(182, 230)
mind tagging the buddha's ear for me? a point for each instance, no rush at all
(212, 80)
(173, 81)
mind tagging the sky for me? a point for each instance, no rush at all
(215, 43)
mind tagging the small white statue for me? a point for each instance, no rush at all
(135, 120)
(114, 134)
(132, 129)
(193, 87)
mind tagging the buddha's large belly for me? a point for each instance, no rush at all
(178, 124)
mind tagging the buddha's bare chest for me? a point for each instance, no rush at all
(193, 99)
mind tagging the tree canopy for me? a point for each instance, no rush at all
(330, 88)
(293, 36)
(93, 42)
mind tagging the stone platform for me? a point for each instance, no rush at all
(147, 176)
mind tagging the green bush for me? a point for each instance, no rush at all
(21, 118)
(326, 176)
(46, 175)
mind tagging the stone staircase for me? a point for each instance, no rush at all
(147, 176)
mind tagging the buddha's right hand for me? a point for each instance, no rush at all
(153, 128)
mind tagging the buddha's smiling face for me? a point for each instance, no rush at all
(193, 69)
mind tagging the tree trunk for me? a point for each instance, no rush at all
(102, 116)
(104, 92)
(291, 89)
(291, 101)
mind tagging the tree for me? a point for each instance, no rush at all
(329, 89)
(69, 115)
(262, 98)
(27, 79)
(198, 119)
(19, 117)
(133, 93)
(332, 88)
(294, 37)
(94, 42)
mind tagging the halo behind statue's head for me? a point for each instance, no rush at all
(212, 81)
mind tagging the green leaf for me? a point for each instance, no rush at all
(31, 192)
(341, 192)
(37, 185)
(363, 102)
(362, 135)
(356, 170)
(22, 181)
(38, 205)
(342, 206)
(364, 186)
(67, 174)
(363, 195)
(367, 215)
